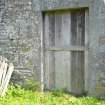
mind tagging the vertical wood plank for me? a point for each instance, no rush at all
(81, 28)
(87, 48)
(4, 73)
(2, 66)
(46, 52)
(62, 70)
(52, 69)
(50, 59)
(65, 30)
(70, 57)
(51, 54)
(42, 51)
(58, 55)
(78, 28)
(77, 38)
(7, 79)
(81, 71)
(66, 23)
(77, 72)
(62, 58)
(58, 28)
(73, 28)
(52, 29)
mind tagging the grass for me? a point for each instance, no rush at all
(19, 96)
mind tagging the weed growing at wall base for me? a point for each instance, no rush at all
(18, 96)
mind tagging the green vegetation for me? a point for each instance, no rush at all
(18, 96)
(32, 84)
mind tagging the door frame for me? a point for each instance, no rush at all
(43, 57)
(86, 71)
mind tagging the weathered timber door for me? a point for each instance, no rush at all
(65, 50)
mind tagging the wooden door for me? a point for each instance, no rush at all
(65, 50)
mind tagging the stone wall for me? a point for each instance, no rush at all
(97, 48)
(19, 37)
(95, 80)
